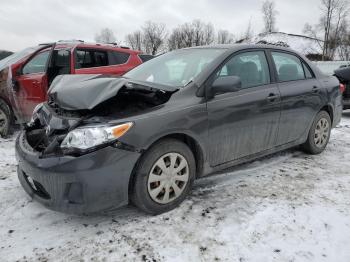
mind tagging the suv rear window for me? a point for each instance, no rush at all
(117, 58)
(145, 58)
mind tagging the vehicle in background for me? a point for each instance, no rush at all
(102, 142)
(331, 68)
(343, 74)
(26, 76)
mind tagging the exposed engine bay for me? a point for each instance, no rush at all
(117, 98)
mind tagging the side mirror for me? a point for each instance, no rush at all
(226, 84)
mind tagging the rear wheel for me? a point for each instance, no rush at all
(5, 119)
(163, 177)
(319, 134)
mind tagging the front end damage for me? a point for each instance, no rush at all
(83, 180)
(88, 100)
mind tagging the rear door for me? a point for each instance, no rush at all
(245, 122)
(30, 83)
(301, 95)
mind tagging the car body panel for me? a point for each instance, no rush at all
(242, 123)
(222, 130)
(101, 177)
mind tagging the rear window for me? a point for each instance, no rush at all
(117, 58)
(145, 58)
(289, 67)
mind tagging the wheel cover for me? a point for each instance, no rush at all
(3, 121)
(168, 178)
(321, 133)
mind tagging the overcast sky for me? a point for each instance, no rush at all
(25, 23)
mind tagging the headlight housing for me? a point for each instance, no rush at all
(88, 137)
(35, 112)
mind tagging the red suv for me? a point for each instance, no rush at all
(25, 76)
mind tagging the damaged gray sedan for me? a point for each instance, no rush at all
(101, 142)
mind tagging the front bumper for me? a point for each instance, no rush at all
(88, 183)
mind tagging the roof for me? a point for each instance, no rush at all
(79, 43)
(302, 44)
(236, 47)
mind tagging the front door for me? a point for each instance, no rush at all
(244, 122)
(30, 85)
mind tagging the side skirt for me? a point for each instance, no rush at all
(222, 167)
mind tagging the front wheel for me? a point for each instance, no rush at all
(5, 119)
(319, 134)
(163, 177)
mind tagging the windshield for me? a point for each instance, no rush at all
(176, 68)
(17, 56)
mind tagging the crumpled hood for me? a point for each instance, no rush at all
(81, 92)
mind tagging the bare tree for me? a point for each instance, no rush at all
(328, 8)
(269, 16)
(312, 32)
(195, 33)
(248, 34)
(175, 40)
(209, 34)
(154, 36)
(224, 37)
(105, 36)
(344, 47)
(331, 25)
(135, 40)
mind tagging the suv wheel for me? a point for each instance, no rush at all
(319, 134)
(5, 119)
(163, 177)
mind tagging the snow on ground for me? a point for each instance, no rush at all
(286, 207)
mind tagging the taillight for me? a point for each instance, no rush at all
(341, 88)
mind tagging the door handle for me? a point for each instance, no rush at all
(272, 97)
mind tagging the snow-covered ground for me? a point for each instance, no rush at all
(286, 207)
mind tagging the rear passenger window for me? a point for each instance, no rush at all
(100, 58)
(117, 58)
(83, 59)
(90, 58)
(251, 67)
(289, 67)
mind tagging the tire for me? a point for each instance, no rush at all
(6, 119)
(144, 192)
(320, 132)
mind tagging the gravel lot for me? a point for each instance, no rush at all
(286, 207)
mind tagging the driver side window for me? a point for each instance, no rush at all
(250, 67)
(37, 64)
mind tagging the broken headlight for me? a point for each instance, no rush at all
(35, 112)
(88, 137)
